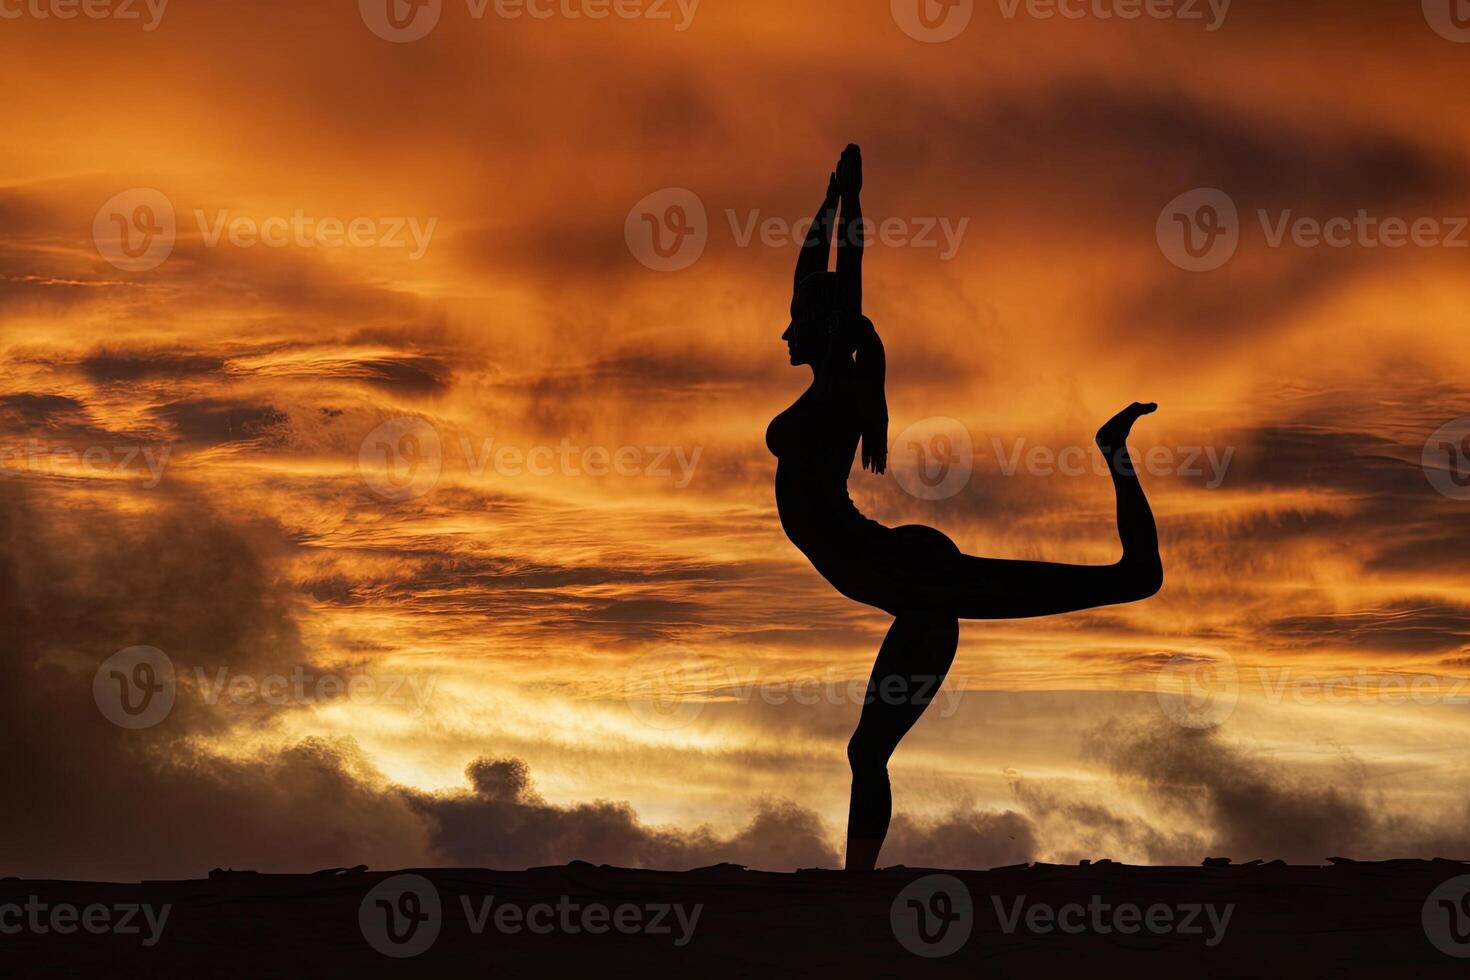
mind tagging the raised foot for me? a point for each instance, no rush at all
(1113, 436)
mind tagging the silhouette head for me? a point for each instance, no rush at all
(813, 319)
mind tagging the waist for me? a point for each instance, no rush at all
(820, 517)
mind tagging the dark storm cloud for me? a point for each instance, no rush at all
(1254, 807)
(1094, 831)
(110, 365)
(56, 266)
(1094, 160)
(1177, 138)
(94, 800)
(963, 838)
(51, 418)
(502, 822)
(416, 375)
(1402, 626)
(1348, 460)
(218, 421)
(26, 410)
(155, 804)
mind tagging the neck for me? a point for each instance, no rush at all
(830, 367)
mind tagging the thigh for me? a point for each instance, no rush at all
(997, 588)
(912, 663)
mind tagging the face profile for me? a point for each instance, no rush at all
(813, 312)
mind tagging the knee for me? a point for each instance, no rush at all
(864, 755)
(1145, 577)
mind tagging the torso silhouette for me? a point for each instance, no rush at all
(814, 442)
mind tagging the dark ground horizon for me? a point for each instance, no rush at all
(1341, 919)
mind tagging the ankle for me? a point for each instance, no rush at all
(862, 853)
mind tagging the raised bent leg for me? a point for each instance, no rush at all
(993, 588)
(912, 663)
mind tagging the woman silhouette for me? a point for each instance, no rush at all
(914, 573)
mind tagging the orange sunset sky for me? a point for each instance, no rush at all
(326, 435)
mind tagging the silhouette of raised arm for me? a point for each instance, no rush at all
(850, 234)
(817, 249)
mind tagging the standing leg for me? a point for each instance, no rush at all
(911, 665)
